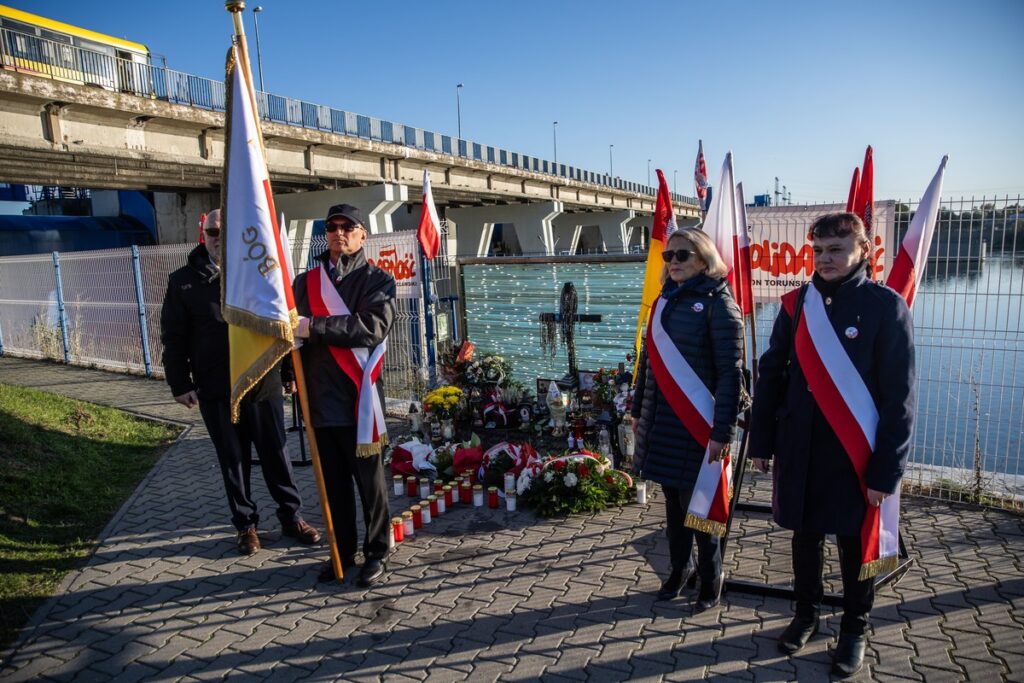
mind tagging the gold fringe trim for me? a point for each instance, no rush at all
(267, 360)
(268, 327)
(368, 450)
(882, 565)
(708, 526)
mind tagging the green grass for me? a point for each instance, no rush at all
(66, 466)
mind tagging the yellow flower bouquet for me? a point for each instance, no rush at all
(445, 401)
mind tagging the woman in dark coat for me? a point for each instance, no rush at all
(704, 324)
(816, 488)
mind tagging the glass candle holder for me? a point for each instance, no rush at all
(492, 497)
(398, 481)
(641, 492)
(408, 528)
(410, 486)
(424, 489)
(478, 495)
(442, 505)
(397, 529)
(448, 502)
(510, 501)
(425, 511)
(417, 516)
(510, 482)
(466, 493)
(435, 510)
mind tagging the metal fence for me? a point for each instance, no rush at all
(42, 57)
(102, 309)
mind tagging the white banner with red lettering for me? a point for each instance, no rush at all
(398, 254)
(781, 257)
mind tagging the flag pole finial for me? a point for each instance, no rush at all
(234, 6)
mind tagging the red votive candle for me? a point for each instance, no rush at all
(438, 487)
(434, 510)
(448, 502)
(466, 493)
(410, 486)
(398, 529)
(417, 517)
(492, 497)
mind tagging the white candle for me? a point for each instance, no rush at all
(478, 498)
(399, 485)
(510, 482)
(510, 502)
(641, 492)
(391, 536)
(440, 505)
(426, 515)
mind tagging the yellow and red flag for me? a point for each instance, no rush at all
(662, 228)
(256, 294)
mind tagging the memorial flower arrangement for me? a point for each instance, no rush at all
(443, 460)
(445, 401)
(576, 482)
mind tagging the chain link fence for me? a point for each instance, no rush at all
(102, 309)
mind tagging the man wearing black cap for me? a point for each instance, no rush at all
(335, 334)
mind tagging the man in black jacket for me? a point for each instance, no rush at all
(369, 294)
(195, 339)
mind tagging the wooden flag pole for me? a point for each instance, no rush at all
(235, 7)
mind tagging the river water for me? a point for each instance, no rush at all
(968, 325)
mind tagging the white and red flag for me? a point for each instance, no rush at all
(700, 177)
(851, 199)
(912, 256)
(256, 295)
(429, 231)
(864, 205)
(744, 289)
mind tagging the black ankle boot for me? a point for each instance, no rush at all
(796, 635)
(710, 593)
(674, 583)
(849, 654)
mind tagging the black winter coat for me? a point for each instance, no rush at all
(195, 336)
(710, 338)
(816, 487)
(369, 293)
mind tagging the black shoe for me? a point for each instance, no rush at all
(796, 635)
(327, 569)
(674, 583)
(710, 594)
(849, 654)
(371, 573)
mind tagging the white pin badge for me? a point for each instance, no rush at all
(698, 307)
(852, 332)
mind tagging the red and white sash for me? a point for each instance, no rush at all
(360, 365)
(694, 405)
(850, 410)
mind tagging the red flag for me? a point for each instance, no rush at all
(744, 287)
(851, 201)
(202, 228)
(865, 206)
(912, 257)
(429, 230)
(700, 177)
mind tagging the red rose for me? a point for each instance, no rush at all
(558, 465)
(584, 471)
(609, 479)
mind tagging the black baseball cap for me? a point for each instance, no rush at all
(347, 211)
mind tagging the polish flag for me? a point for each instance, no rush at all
(865, 203)
(912, 257)
(700, 177)
(429, 231)
(721, 225)
(744, 287)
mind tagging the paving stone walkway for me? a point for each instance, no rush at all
(480, 594)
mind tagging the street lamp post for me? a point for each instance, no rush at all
(458, 106)
(554, 136)
(675, 176)
(648, 173)
(259, 55)
(611, 162)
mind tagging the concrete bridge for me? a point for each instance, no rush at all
(59, 133)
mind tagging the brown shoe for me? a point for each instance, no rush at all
(248, 541)
(301, 531)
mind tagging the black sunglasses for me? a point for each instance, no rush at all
(346, 227)
(681, 255)
(212, 232)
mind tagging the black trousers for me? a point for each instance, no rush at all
(808, 564)
(681, 539)
(261, 424)
(337, 447)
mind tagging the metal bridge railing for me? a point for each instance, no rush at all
(42, 57)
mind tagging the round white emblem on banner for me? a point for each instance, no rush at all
(852, 332)
(698, 307)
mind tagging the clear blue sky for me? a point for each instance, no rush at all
(794, 89)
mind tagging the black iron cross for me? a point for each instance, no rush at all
(566, 320)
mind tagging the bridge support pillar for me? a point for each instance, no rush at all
(177, 214)
(377, 202)
(594, 231)
(532, 225)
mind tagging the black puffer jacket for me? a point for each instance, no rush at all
(195, 336)
(710, 338)
(369, 293)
